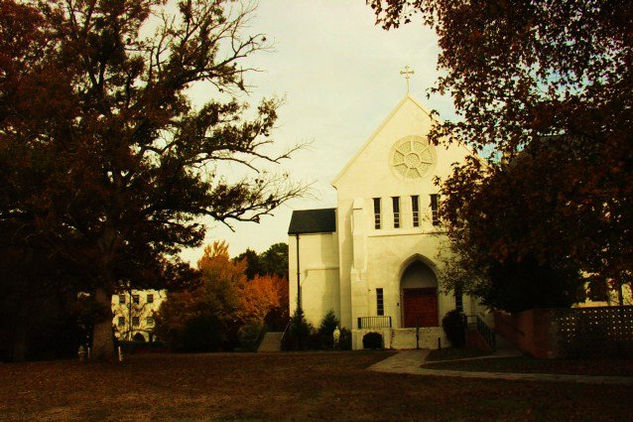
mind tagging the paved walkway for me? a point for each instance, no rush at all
(409, 362)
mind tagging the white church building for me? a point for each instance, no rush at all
(373, 259)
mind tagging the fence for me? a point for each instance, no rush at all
(595, 331)
(576, 332)
(374, 322)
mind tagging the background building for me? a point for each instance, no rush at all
(134, 314)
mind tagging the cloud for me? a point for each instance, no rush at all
(339, 74)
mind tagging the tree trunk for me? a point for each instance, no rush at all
(102, 342)
(620, 295)
(21, 322)
(19, 337)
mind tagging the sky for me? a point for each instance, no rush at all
(339, 76)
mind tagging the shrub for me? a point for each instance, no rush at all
(326, 328)
(277, 318)
(299, 331)
(372, 340)
(454, 325)
(203, 334)
(345, 341)
(250, 334)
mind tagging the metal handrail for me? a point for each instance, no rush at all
(487, 333)
(378, 321)
(283, 336)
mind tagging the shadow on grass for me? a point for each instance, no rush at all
(453, 353)
(526, 364)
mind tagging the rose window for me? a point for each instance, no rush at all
(412, 157)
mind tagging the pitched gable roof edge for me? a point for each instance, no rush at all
(408, 96)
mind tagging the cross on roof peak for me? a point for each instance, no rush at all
(407, 72)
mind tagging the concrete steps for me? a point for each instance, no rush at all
(271, 342)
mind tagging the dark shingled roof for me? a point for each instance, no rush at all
(313, 221)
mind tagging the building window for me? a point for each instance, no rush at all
(435, 215)
(121, 322)
(150, 298)
(122, 299)
(149, 321)
(396, 211)
(136, 299)
(380, 304)
(376, 213)
(415, 210)
(135, 321)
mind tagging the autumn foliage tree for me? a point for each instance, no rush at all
(268, 273)
(106, 163)
(209, 316)
(545, 94)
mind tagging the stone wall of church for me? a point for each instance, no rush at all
(371, 257)
(318, 274)
(388, 257)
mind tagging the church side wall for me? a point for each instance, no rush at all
(318, 272)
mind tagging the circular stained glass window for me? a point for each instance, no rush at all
(412, 157)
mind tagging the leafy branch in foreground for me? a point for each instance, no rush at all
(107, 163)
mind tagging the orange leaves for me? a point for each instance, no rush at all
(262, 294)
(245, 299)
(224, 295)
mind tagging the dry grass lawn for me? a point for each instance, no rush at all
(290, 386)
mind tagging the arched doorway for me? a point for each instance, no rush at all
(418, 290)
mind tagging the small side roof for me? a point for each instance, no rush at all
(321, 220)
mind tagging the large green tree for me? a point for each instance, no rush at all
(273, 261)
(526, 71)
(107, 165)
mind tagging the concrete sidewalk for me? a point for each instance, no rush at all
(409, 362)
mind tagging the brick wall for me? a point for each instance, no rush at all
(577, 332)
(530, 331)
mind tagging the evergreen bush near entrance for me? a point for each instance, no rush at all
(326, 328)
(301, 335)
(454, 325)
(298, 333)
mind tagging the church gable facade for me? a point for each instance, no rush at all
(373, 259)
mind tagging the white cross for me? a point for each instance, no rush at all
(406, 72)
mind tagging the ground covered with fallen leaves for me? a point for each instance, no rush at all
(284, 386)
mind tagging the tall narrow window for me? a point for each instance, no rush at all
(150, 298)
(122, 299)
(380, 304)
(136, 299)
(415, 210)
(376, 213)
(396, 211)
(435, 215)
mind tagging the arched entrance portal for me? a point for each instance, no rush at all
(418, 289)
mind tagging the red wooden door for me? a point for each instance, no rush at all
(420, 307)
